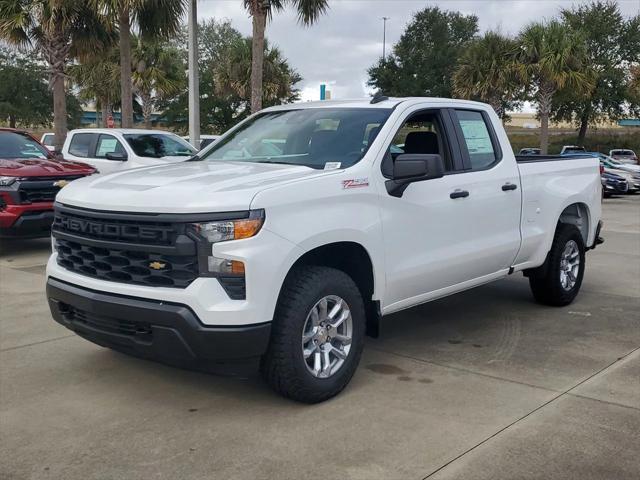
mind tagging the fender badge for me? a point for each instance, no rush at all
(157, 265)
(355, 183)
(61, 183)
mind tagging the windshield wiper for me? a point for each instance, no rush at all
(288, 163)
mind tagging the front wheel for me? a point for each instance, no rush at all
(558, 282)
(317, 335)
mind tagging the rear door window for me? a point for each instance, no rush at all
(80, 145)
(478, 139)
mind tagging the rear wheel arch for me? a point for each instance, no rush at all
(577, 214)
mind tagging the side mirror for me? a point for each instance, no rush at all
(409, 168)
(117, 156)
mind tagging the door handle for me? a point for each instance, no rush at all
(459, 194)
(509, 186)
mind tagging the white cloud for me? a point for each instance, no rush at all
(340, 48)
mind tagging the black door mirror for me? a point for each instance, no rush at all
(409, 168)
(117, 156)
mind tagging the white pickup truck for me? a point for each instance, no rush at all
(293, 235)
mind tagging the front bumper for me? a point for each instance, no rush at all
(30, 221)
(167, 332)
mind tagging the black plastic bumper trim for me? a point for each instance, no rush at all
(30, 224)
(170, 333)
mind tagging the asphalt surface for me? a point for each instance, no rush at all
(485, 384)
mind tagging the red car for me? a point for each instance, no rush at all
(30, 178)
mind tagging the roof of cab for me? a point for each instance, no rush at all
(120, 130)
(390, 102)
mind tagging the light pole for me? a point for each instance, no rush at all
(384, 37)
(194, 85)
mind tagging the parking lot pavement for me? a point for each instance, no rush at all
(485, 384)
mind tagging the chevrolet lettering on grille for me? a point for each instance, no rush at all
(113, 230)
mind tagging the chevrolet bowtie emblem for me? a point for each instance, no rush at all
(157, 265)
(61, 183)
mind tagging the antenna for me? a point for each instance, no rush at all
(378, 97)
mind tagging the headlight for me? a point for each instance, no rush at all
(6, 181)
(221, 231)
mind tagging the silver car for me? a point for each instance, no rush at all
(624, 155)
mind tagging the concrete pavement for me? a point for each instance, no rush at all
(486, 384)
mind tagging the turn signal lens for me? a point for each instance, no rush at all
(226, 230)
(225, 267)
(246, 228)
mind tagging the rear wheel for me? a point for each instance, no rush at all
(317, 335)
(558, 282)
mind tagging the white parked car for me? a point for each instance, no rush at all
(301, 227)
(48, 140)
(116, 149)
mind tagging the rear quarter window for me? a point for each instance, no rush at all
(478, 139)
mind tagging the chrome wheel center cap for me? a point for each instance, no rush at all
(322, 335)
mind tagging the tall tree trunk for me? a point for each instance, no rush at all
(59, 110)
(584, 124)
(147, 108)
(107, 110)
(124, 23)
(12, 121)
(257, 58)
(545, 97)
(56, 51)
(544, 133)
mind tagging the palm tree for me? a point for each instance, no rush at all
(153, 19)
(260, 10)
(485, 71)
(551, 57)
(233, 75)
(159, 73)
(60, 30)
(98, 78)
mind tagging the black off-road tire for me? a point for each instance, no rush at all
(283, 366)
(545, 282)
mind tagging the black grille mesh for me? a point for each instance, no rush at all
(128, 266)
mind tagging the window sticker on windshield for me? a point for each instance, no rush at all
(332, 165)
(107, 145)
(476, 136)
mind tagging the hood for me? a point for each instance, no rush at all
(38, 167)
(153, 161)
(191, 187)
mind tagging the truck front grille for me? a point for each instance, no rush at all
(41, 189)
(125, 248)
(136, 267)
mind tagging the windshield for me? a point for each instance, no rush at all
(312, 137)
(158, 145)
(622, 152)
(48, 140)
(18, 145)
